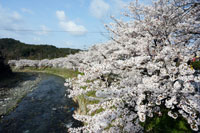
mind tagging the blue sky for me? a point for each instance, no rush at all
(82, 20)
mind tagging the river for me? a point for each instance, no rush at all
(47, 109)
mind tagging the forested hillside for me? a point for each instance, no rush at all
(13, 49)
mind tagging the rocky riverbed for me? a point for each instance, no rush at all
(15, 89)
(45, 108)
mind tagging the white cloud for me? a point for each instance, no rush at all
(12, 24)
(70, 26)
(73, 28)
(61, 15)
(16, 16)
(10, 19)
(99, 8)
(119, 4)
(25, 10)
(44, 30)
(102, 8)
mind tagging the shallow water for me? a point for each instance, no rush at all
(45, 110)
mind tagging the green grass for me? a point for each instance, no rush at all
(65, 73)
(97, 111)
(83, 102)
(166, 124)
(93, 101)
(89, 81)
(108, 127)
(91, 94)
(196, 65)
(83, 87)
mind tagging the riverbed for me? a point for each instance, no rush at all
(46, 109)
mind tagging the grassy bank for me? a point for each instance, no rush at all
(65, 73)
(156, 124)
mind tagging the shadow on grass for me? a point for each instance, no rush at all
(15, 79)
(166, 124)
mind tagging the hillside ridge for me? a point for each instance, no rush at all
(14, 50)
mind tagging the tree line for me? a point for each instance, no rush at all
(14, 50)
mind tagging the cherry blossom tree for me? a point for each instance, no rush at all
(141, 73)
(142, 70)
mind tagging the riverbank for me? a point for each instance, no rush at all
(46, 109)
(62, 72)
(154, 124)
(13, 89)
(65, 73)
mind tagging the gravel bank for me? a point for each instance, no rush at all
(11, 96)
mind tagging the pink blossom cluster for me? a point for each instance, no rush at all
(143, 69)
